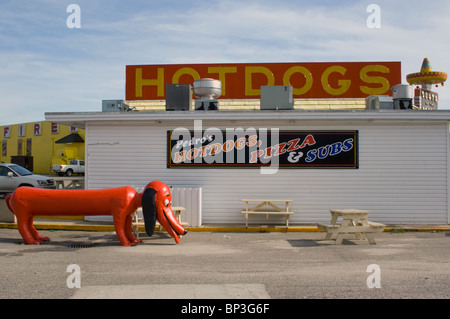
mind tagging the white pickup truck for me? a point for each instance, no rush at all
(74, 167)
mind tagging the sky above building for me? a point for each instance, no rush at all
(48, 63)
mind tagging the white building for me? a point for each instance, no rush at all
(400, 174)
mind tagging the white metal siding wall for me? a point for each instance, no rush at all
(402, 175)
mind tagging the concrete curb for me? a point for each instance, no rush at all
(251, 229)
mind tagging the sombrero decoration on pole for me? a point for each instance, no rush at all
(426, 77)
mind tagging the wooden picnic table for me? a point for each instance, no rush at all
(73, 182)
(354, 221)
(139, 221)
(267, 207)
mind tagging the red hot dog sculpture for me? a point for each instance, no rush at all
(120, 202)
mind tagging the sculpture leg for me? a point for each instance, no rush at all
(23, 224)
(35, 233)
(119, 225)
(129, 233)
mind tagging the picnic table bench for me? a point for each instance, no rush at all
(138, 220)
(267, 207)
(73, 182)
(354, 221)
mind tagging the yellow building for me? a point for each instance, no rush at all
(39, 145)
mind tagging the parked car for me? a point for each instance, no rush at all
(13, 176)
(74, 167)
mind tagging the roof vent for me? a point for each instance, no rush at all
(403, 96)
(207, 91)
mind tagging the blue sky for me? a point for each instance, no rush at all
(47, 67)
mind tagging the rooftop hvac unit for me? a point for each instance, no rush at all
(114, 106)
(207, 90)
(403, 96)
(379, 102)
(178, 97)
(276, 97)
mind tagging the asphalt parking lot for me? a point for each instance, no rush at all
(225, 265)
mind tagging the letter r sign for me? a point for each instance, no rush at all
(37, 129)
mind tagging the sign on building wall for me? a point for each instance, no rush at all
(29, 143)
(37, 128)
(7, 131)
(251, 148)
(54, 128)
(21, 132)
(243, 80)
(19, 147)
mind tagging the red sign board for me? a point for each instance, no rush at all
(243, 80)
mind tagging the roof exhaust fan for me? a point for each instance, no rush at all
(207, 91)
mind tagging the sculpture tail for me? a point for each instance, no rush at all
(7, 199)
